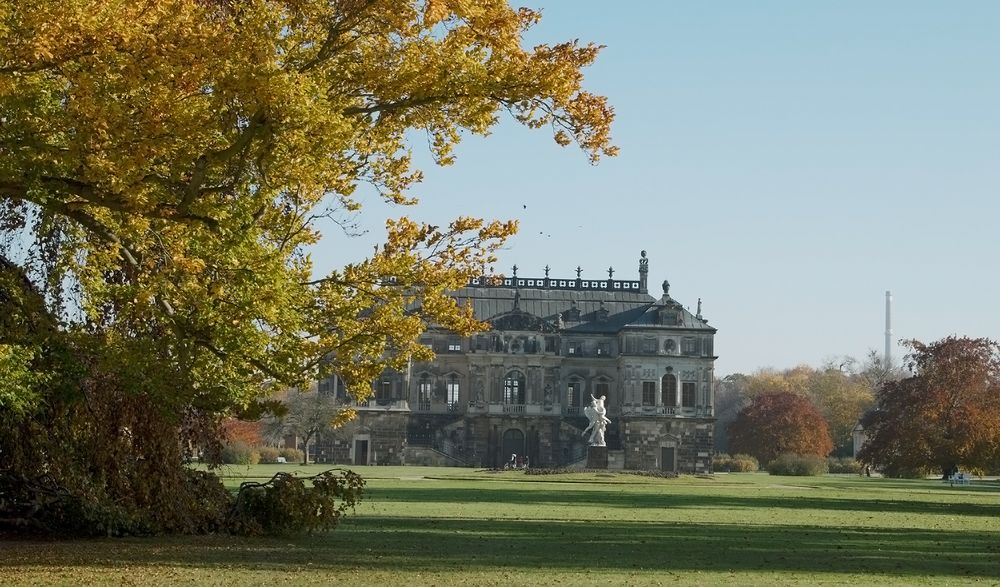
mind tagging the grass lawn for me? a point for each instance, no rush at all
(430, 526)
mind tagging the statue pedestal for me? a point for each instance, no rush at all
(597, 457)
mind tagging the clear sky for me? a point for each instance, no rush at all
(785, 161)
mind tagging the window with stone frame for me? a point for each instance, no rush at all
(649, 393)
(649, 346)
(669, 391)
(383, 392)
(340, 388)
(453, 391)
(706, 347)
(551, 344)
(574, 348)
(425, 388)
(454, 345)
(603, 349)
(513, 388)
(689, 345)
(688, 394)
(574, 393)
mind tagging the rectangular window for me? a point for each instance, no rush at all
(689, 345)
(482, 343)
(573, 348)
(341, 389)
(601, 389)
(649, 346)
(649, 393)
(631, 346)
(383, 393)
(573, 394)
(454, 345)
(424, 390)
(707, 347)
(687, 394)
(551, 344)
(453, 392)
(603, 349)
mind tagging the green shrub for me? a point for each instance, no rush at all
(739, 463)
(269, 454)
(285, 504)
(292, 455)
(239, 453)
(801, 465)
(843, 465)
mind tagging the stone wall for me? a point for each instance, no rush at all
(649, 442)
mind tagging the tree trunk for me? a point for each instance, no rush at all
(305, 447)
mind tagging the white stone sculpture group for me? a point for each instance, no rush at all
(597, 414)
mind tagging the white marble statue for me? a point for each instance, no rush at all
(597, 414)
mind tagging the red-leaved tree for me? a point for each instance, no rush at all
(778, 423)
(945, 416)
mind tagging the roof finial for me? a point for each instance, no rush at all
(666, 287)
(546, 270)
(698, 315)
(578, 271)
(515, 270)
(611, 272)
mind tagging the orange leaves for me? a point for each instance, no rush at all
(944, 415)
(778, 423)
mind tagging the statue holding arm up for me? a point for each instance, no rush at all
(597, 414)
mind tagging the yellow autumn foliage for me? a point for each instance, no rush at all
(170, 160)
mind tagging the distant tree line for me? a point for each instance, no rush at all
(938, 411)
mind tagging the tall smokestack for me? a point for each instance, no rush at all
(888, 328)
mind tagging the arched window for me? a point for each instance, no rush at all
(513, 388)
(669, 389)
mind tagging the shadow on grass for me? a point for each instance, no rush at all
(442, 545)
(655, 500)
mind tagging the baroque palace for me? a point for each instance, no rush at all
(521, 387)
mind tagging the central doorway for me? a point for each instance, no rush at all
(360, 452)
(513, 443)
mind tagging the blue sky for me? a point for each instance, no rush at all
(785, 161)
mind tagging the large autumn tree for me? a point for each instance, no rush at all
(167, 163)
(778, 423)
(945, 415)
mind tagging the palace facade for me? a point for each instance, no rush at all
(521, 387)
